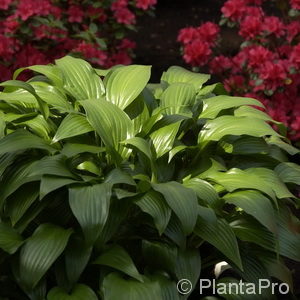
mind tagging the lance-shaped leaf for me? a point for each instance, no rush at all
(178, 98)
(110, 122)
(10, 239)
(214, 105)
(80, 79)
(130, 289)
(221, 236)
(219, 127)
(163, 138)
(72, 125)
(204, 190)
(23, 140)
(40, 251)
(125, 83)
(116, 257)
(79, 292)
(183, 202)
(90, 206)
(52, 72)
(178, 74)
(288, 172)
(154, 204)
(44, 109)
(256, 204)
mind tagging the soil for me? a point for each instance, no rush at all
(157, 46)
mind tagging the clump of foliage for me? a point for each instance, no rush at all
(114, 188)
(266, 63)
(39, 31)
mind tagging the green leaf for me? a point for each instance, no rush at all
(111, 123)
(178, 74)
(125, 83)
(214, 105)
(130, 289)
(163, 138)
(52, 72)
(71, 149)
(188, 265)
(141, 144)
(80, 79)
(117, 176)
(40, 251)
(178, 98)
(20, 202)
(27, 87)
(204, 190)
(90, 206)
(183, 202)
(10, 239)
(221, 236)
(23, 140)
(255, 204)
(116, 257)
(154, 204)
(51, 183)
(72, 125)
(77, 256)
(79, 292)
(288, 172)
(215, 129)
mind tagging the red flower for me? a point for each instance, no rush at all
(96, 13)
(251, 27)
(187, 35)
(30, 8)
(145, 4)
(5, 72)
(11, 24)
(7, 47)
(295, 4)
(75, 14)
(233, 9)
(208, 32)
(293, 29)
(253, 11)
(273, 26)
(120, 58)
(235, 82)
(4, 4)
(119, 4)
(273, 74)
(197, 53)
(91, 52)
(295, 56)
(124, 16)
(258, 55)
(126, 44)
(220, 64)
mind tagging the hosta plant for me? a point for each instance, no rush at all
(113, 188)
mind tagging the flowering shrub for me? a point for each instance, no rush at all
(267, 65)
(39, 31)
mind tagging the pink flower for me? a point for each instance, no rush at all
(251, 27)
(258, 55)
(145, 4)
(233, 9)
(75, 14)
(197, 53)
(91, 52)
(295, 4)
(30, 8)
(124, 16)
(187, 35)
(273, 25)
(11, 24)
(295, 55)
(126, 44)
(293, 29)
(4, 4)
(119, 4)
(208, 32)
(220, 64)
